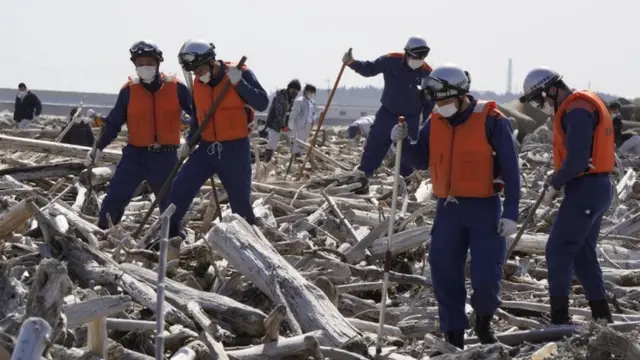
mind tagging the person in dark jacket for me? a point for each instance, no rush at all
(278, 117)
(615, 110)
(27, 106)
(80, 133)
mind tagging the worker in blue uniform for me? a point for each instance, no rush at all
(583, 159)
(150, 104)
(223, 148)
(402, 74)
(468, 146)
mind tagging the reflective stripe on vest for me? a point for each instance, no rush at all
(154, 118)
(230, 120)
(461, 158)
(603, 145)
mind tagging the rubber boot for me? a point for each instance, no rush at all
(364, 188)
(483, 330)
(266, 156)
(600, 310)
(455, 338)
(560, 310)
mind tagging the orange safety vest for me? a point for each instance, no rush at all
(461, 157)
(153, 118)
(229, 121)
(603, 148)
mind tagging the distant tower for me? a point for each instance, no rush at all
(510, 77)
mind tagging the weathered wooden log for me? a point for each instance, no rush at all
(46, 296)
(322, 156)
(272, 323)
(255, 258)
(86, 311)
(16, 218)
(99, 175)
(97, 333)
(550, 334)
(242, 317)
(608, 343)
(44, 171)
(304, 344)
(53, 148)
(34, 337)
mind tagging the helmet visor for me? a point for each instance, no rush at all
(142, 46)
(419, 53)
(437, 89)
(189, 61)
(535, 97)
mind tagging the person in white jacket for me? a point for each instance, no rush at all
(302, 117)
(360, 127)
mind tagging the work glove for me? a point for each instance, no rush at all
(24, 123)
(183, 151)
(507, 227)
(78, 120)
(399, 132)
(347, 58)
(234, 74)
(92, 157)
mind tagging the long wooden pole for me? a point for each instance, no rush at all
(321, 121)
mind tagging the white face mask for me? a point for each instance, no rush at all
(311, 96)
(146, 73)
(414, 63)
(447, 110)
(22, 94)
(205, 78)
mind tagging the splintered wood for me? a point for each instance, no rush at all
(305, 282)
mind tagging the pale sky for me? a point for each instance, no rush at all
(83, 45)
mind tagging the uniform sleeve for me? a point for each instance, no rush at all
(427, 107)
(252, 92)
(371, 68)
(116, 118)
(578, 123)
(37, 105)
(185, 99)
(418, 152)
(500, 135)
(193, 125)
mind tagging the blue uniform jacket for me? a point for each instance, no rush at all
(579, 125)
(499, 134)
(118, 115)
(400, 95)
(248, 88)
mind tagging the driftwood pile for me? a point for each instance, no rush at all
(304, 283)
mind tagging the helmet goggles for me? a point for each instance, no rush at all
(437, 89)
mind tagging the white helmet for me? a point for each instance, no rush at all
(537, 83)
(417, 47)
(446, 81)
(90, 113)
